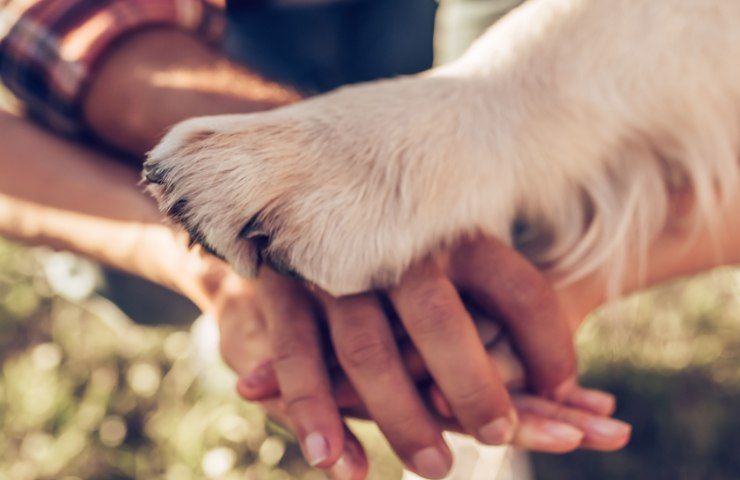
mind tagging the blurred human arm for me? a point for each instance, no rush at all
(163, 76)
(56, 193)
(680, 251)
(124, 70)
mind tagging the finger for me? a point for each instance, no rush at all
(601, 405)
(440, 403)
(544, 431)
(540, 434)
(541, 425)
(600, 433)
(500, 353)
(447, 340)
(501, 356)
(352, 464)
(241, 326)
(587, 399)
(502, 281)
(594, 401)
(259, 384)
(367, 352)
(297, 358)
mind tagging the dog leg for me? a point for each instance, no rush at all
(570, 115)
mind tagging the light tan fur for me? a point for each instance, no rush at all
(574, 117)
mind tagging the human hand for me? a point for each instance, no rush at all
(234, 302)
(444, 334)
(280, 319)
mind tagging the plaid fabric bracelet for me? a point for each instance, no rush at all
(50, 48)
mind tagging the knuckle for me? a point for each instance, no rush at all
(552, 374)
(532, 290)
(477, 397)
(409, 434)
(352, 315)
(563, 366)
(287, 299)
(428, 290)
(365, 351)
(290, 348)
(560, 413)
(434, 318)
(301, 401)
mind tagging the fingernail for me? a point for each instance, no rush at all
(348, 464)
(607, 427)
(561, 432)
(498, 432)
(430, 462)
(342, 470)
(317, 448)
(262, 375)
(549, 436)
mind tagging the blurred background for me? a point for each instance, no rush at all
(90, 392)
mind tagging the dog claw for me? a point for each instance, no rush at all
(154, 175)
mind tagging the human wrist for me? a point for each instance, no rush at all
(164, 257)
(680, 251)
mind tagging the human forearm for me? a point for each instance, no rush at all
(677, 253)
(55, 193)
(158, 77)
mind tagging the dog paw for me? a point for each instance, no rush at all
(577, 138)
(344, 190)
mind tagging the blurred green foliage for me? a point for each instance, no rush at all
(85, 393)
(672, 357)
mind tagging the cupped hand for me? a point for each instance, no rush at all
(245, 344)
(467, 384)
